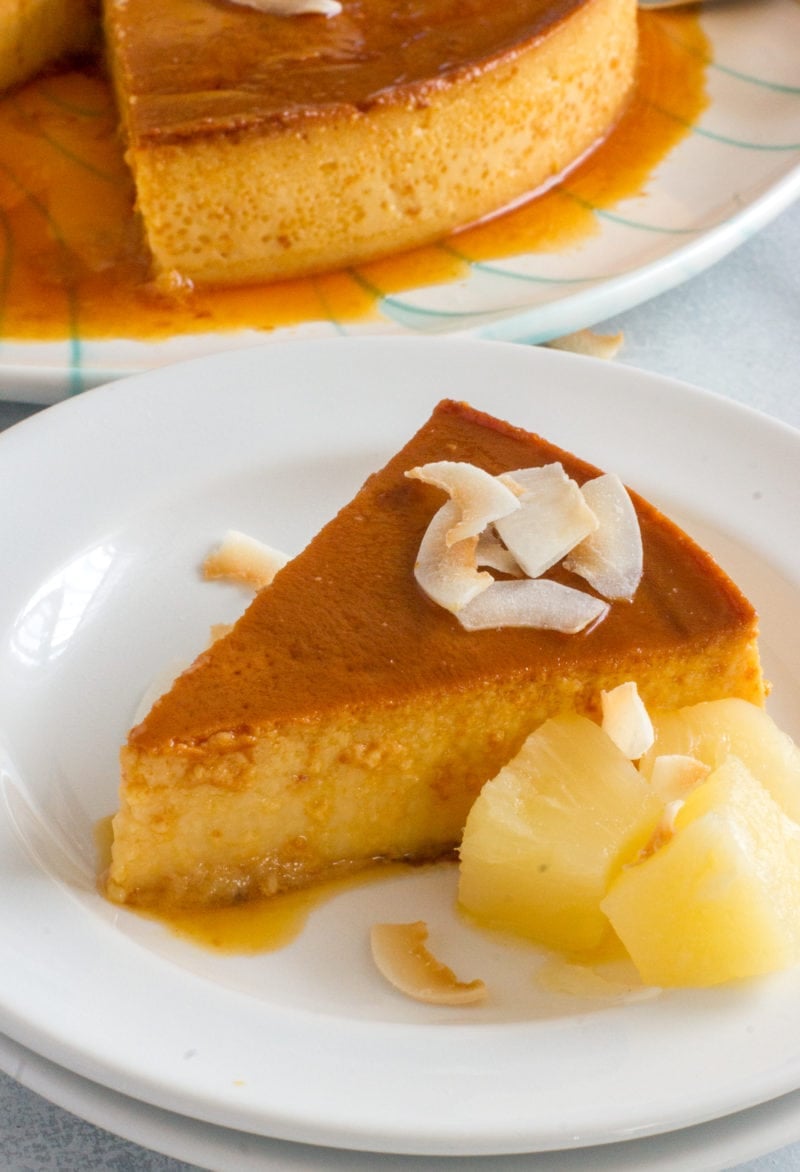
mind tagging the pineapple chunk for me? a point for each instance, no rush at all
(545, 836)
(721, 899)
(716, 729)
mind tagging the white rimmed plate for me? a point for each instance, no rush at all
(118, 495)
(738, 167)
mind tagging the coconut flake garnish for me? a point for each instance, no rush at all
(400, 955)
(293, 7)
(587, 342)
(552, 518)
(532, 602)
(481, 497)
(626, 720)
(448, 573)
(540, 518)
(493, 555)
(664, 829)
(610, 559)
(244, 559)
(675, 774)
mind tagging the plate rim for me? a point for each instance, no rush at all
(747, 1135)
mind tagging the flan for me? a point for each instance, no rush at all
(266, 147)
(36, 33)
(347, 718)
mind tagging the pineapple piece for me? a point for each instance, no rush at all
(716, 729)
(721, 899)
(545, 836)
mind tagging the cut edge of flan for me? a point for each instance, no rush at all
(362, 180)
(273, 762)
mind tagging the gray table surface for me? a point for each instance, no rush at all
(734, 329)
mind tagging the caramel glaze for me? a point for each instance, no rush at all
(254, 66)
(346, 620)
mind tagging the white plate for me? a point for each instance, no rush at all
(708, 1147)
(117, 496)
(739, 167)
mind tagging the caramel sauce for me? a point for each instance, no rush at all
(265, 925)
(258, 925)
(255, 925)
(73, 264)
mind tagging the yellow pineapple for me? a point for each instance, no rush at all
(717, 729)
(545, 836)
(720, 899)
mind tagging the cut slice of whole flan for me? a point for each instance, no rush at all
(347, 718)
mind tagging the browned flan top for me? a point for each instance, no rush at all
(345, 625)
(190, 67)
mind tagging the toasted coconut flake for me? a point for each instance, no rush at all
(610, 558)
(532, 602)
(670, 813)
(448, 573)
(401, 956)
(625, 720)
(293, 7)
(492, 554)
(589, 343)
(244, 559)
(552, 518)
(664, 831)
(674, 775)
(481, 497)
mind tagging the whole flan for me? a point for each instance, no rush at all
(267, 146)
(347, 718)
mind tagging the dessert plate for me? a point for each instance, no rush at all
(118, 496)
(737, 168)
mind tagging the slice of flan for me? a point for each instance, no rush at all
(35, 33)
(347, 718)
(267, 146)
